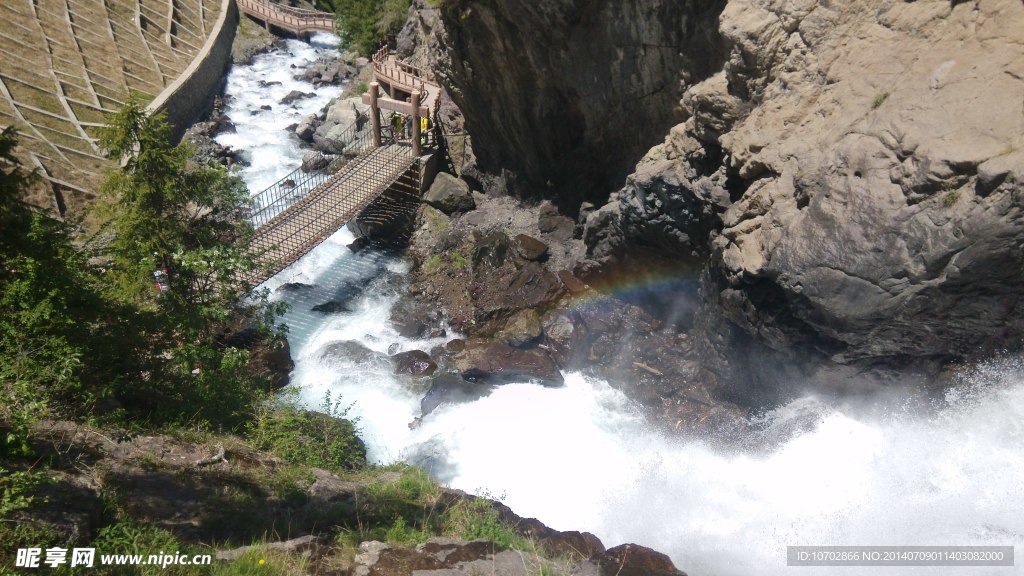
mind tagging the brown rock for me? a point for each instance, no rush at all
(498, 363)
(573, 284)
(414, 363)
(529, 248)
(636, 560)
(522, 328)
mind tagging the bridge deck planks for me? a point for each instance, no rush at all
(326, 208)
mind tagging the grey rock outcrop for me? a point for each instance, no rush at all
(848, 175)
(853, 176)
(343, 123)
(449, 194)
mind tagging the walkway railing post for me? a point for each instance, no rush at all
(416, 123)
(375, 113)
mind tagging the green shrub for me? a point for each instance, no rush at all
(324, 440)
(129, 538)
(363, 24)
(433, 264)
(478, 518)
(17, 490)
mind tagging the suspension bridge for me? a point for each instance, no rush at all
(301, 210)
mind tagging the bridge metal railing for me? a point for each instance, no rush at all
(319, 214)
(296, 19)
(277, 197)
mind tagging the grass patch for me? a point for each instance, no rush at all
(477, 518)
(324, 440)
(951, 198)
(433, 264)
(263, 562)
(879, 100)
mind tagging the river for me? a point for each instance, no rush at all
(581, 458)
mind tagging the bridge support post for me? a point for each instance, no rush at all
(416, 146)
(375, 113)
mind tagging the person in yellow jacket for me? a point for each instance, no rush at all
(424, 127)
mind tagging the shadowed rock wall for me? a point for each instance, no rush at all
(569, 93)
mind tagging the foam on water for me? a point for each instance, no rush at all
(580, 457)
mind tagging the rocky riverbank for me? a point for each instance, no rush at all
(211, 493)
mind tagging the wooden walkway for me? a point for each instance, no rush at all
(289, 235)
(295, 20)
(401, 78)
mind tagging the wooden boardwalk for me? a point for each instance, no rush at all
(295, 20)
(326, 208)
(401, 78)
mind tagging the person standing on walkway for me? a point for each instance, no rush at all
(395, 125)
(424, 127)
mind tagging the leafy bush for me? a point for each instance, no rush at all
(52, 316)
(364, 24)
(17, 490)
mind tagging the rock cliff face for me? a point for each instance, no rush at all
(854, 174)
(850, 175)
(568, 93)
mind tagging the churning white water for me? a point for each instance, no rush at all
(581, 458)
(260, 133)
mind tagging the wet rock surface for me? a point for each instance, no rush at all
(451, 389)
(497, 363)
(413, 363)
(349, 351)
(509, 286)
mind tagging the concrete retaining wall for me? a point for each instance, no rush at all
(191, 95)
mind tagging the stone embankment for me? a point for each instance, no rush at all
(69, 64)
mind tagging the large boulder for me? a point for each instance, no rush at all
(349, 351)
(343, 122)
(312, 161)
(522, 328)
(451, 389)
(529, 248)
(294, 96)
(307, 127)
(449, 194)
(413, 363)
